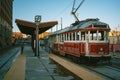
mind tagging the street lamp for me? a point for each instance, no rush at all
(37, 22)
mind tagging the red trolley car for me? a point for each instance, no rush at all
(88, 39)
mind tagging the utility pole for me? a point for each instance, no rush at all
(118, 35)
(56, 27)
(51, 30)
(61, 22)
(37, 21)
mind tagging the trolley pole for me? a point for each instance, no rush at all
(37, 22)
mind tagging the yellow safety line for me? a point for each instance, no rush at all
(17, 70)
(77, 70)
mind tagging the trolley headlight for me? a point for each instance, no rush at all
(101, 49)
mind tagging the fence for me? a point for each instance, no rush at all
(114, 47)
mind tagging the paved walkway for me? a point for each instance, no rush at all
(42, 68)
(115, 54)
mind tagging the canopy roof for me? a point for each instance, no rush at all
(27, 27)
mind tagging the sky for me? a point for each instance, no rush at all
(107, 11)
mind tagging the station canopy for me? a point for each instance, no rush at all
(28, 27)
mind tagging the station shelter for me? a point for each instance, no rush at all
(27, 27)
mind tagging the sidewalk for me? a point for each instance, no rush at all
(42, 68)
(115, 54)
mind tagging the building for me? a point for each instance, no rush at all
(42, 35)
(17, 35)
(114, 37)
(6, 11)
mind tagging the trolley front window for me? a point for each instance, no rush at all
(98, 35)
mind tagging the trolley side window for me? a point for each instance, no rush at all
(104, 35)
(74, 36)
(62, 37)
(93, 35)
(78, 35)
(98, 35)
(82, 35)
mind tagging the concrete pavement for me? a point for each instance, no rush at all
(42, 68)
(39, 68)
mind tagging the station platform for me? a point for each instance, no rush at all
(35, 68)
(7, 57)
(29, 67)
(115, 55)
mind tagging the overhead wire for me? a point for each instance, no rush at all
(63, 11)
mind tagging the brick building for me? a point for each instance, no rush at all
(6, 11)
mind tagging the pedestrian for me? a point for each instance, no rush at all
(22, 47)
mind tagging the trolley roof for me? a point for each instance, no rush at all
(81, 25)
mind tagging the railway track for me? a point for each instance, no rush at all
(109, 72)
(115, 66)
(115, 63)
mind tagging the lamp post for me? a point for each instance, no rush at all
(37, 22)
